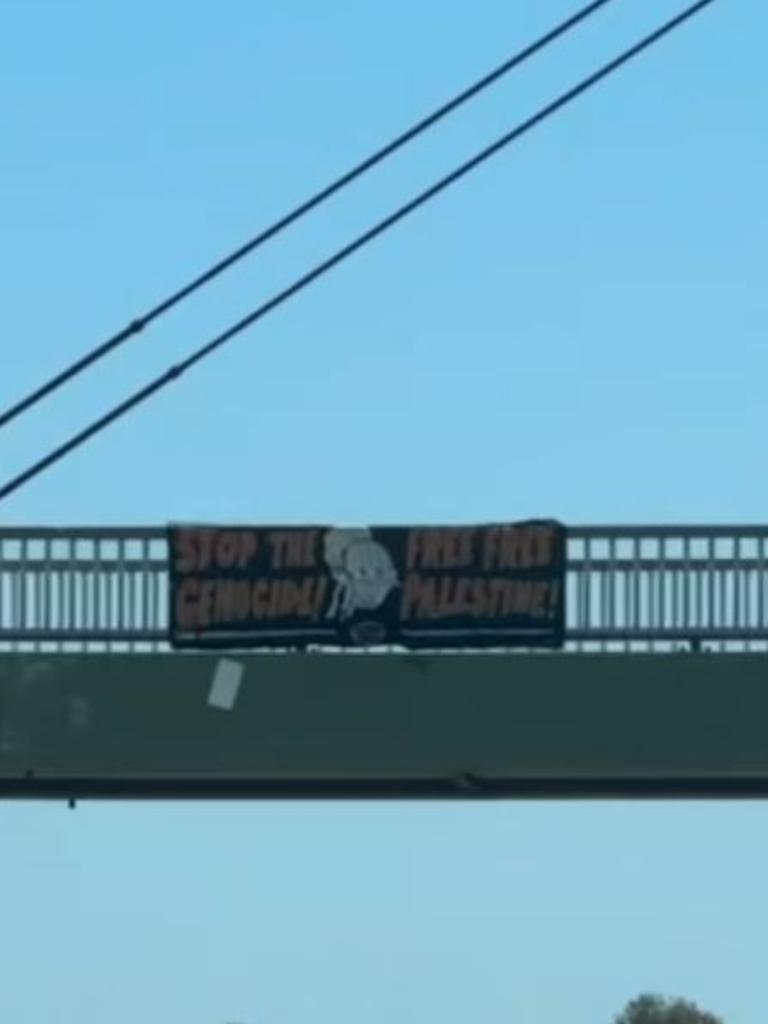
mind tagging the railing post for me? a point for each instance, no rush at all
(655, 586)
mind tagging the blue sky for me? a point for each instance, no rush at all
(576, 330)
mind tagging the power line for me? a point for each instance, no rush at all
(140, 323)
(174, 372)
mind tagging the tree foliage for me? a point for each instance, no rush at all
(652, 1009)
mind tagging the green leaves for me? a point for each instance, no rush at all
(653, 1009)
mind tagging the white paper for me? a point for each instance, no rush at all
(226, 684)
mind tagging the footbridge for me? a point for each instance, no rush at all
(661, 687)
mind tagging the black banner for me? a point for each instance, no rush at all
(410, 586)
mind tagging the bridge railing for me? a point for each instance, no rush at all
(628, 588)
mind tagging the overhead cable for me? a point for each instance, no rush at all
(141, 322)
(176, 371)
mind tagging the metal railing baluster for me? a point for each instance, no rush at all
(628, 587)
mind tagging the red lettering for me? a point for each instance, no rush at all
(249, 545)
(185, 551)
(260, 599)
(227, 549)
(186, 604)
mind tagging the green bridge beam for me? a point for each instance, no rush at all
(463, 726)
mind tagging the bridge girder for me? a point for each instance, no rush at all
(334, 726)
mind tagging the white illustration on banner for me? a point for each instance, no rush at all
(362, 570)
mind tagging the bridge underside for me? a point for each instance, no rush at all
(335, 726)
